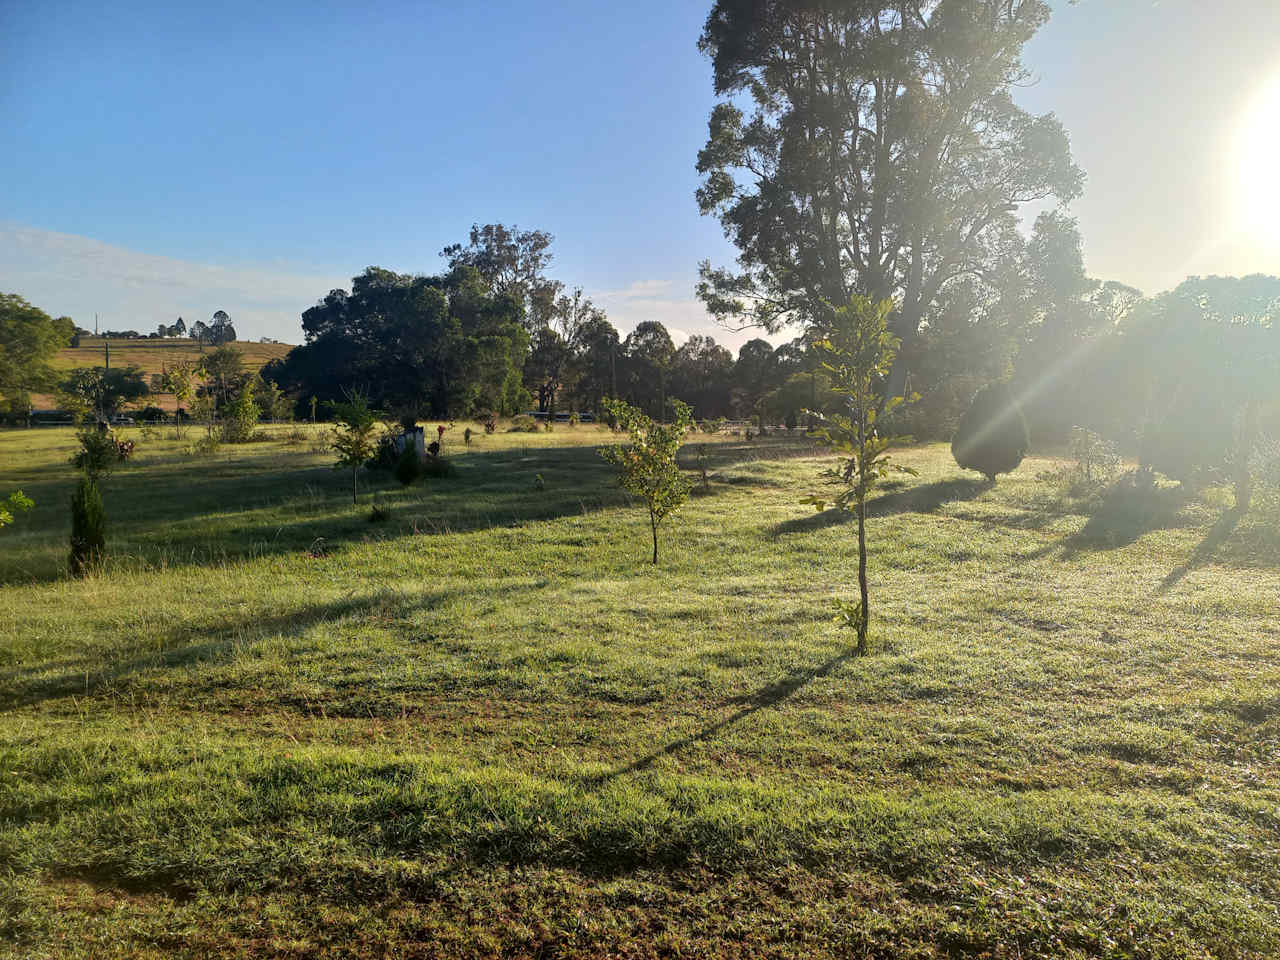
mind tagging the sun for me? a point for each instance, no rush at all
(1257, 163)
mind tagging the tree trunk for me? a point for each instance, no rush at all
(1244, 479)
(862, 578)
(355, 484)
(653, 523)
(906, 328)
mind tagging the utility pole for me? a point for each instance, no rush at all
(95, 324)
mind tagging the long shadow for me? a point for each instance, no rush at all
(230, 510)
(1204, 551)
(208, 643)
(1127, 512)
(769, 696)
(921, 498)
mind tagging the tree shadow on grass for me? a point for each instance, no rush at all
(1127, 511)
(897, 499)
(178, 515)
(768, 696)
(208, 643)
(1204, 551)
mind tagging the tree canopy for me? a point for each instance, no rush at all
(882, 153)
(439, 346)
(29, 338)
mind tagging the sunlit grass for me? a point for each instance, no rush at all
(487, 726)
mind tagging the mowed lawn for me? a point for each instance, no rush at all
(488, 727)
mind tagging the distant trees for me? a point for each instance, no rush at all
(649, 352)
(1203, 363)
(29, 339)
(702, 373)
(216, 332)
(99, 392)
(439, 346)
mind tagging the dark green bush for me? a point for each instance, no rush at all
(408, 467)
(992, 436)
(437, 467)
(523, 424)
(88, 527)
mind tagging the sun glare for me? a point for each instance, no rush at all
(1257, 157)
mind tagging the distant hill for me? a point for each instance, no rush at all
(153, 356)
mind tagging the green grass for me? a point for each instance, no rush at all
(488, 727)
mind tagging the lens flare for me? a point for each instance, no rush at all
(1257, 157)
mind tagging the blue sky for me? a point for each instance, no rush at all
(167, 159)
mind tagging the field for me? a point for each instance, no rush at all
(152, 356)
(488, 727)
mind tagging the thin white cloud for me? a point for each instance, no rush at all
(654, 300)
(76, 276)
(66, 274)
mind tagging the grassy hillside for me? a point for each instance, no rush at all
(153, 355)
(487, 727)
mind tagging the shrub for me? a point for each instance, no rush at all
(1096, 463)
(98, 452)
(152, 414)
(992, 436)
(408, 467)
(386, 456)
(573, 419)
(124, 450)
(490, 422)
(1191, 442)
(523, 424)
(88, 527)
(240, 418)
(207, 445)
(436, 466)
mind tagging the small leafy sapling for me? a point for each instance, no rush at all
(182, 380)
(857, 354)
(98, 452)
(13, 504)
(353, 439)
(240, 418)
(647, 463)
